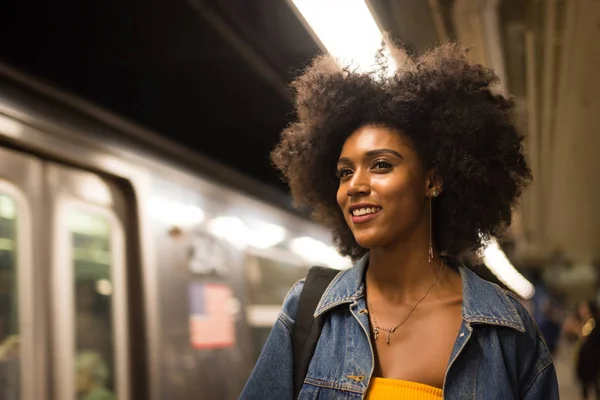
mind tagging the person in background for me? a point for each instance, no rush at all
(550, 327)
(91, 377)
(410, 169)
(587, 364)
(571, 327)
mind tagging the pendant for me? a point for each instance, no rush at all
(389, 335)
(376, 333)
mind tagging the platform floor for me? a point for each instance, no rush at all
(569, 389)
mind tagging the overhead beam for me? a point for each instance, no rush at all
(548, 89)
(533, 132)
(255, 61)
(466, 16)
(493, 40)
(438, 20)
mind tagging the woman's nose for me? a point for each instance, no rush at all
(358, 185)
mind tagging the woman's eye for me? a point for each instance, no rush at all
(382, 164)
(344, 172)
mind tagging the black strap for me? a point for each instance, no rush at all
(306, 330)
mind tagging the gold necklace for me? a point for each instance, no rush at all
(389, 331)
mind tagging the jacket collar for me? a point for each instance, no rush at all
(483, 301)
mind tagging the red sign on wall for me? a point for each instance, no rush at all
(211, 321)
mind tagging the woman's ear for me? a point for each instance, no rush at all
(434, 184)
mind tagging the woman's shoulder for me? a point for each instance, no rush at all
(487, 302)
(289, 309)
(533, 356)
(529, 323)
(514, 329)
(322, 284)
(530, 343)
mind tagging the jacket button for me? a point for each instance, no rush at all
(461, 335)
(356, 378)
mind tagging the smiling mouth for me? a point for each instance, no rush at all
(359, 212)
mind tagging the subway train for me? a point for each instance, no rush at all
(129, 265)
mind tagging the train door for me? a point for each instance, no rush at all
(63, 303)
(89, 305)
(23, 327)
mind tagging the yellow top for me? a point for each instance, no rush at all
(391, 389)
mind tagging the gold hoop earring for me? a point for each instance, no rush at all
(431, 255)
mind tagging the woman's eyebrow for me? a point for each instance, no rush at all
(376, 152)
(344, 160)
(372, 153)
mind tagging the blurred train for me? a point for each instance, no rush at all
(131, 267)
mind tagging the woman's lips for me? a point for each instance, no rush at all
(361, 219)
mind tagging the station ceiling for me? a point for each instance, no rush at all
(213, 75)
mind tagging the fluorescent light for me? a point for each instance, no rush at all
(262, 235)
(10, 127)
(172, 212)
(346, 29)
(497, 262)
(231, 229)
(315, 251)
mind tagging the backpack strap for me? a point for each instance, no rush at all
(306, 329)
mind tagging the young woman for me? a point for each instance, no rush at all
(409, 172)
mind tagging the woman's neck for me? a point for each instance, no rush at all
(400, 276)
(402, 272)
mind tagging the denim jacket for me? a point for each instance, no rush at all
(499, 353)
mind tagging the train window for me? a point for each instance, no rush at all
(9, 305)
(270, 277)
(94, 330)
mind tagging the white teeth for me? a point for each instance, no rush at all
(362, 211)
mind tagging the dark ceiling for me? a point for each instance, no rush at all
(200, 75)
(209, 74)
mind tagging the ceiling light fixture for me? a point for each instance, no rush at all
(497, 262)
(346, 29)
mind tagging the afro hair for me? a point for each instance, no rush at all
(448, 110)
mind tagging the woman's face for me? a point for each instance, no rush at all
(383, 190)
